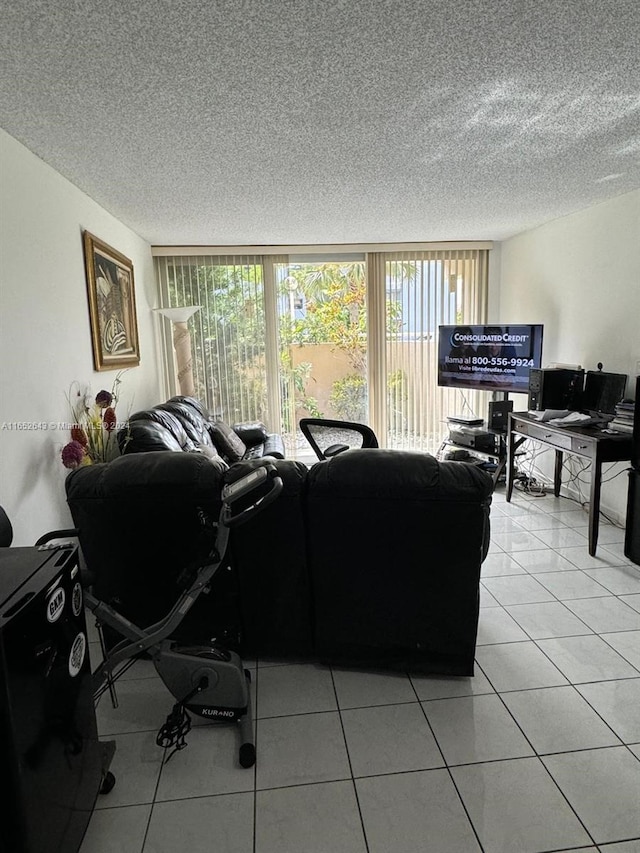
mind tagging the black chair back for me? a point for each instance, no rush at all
(329, 437)
(6, 530)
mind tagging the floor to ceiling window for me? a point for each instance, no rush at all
(322, 334)
(228, 334)
(345, 336)
(417, 291)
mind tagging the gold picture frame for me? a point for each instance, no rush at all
(112, 306)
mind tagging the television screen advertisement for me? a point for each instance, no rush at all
(489, 357)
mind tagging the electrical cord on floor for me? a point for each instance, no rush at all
(527, 483)
(530, 486)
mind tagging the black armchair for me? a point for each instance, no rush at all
(329, 437)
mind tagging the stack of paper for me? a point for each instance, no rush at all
(574, 419)
(548, 414)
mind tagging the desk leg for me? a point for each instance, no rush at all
(557, 474)
(594, 505)
(499, 469)
(511, 452)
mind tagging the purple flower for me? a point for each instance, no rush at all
(73, 455)
(104, 399)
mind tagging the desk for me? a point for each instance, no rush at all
(590, 443)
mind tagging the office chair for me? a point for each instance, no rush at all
(329, 437)
(6, 530)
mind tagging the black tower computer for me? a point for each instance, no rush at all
(555, 388)
(499, 414)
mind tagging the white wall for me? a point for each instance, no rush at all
(580, 276)
(45, 340)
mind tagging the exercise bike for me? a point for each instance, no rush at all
(208, 680)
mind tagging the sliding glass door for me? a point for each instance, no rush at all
(423, 290)
(350, 337)
(229, 338)
(322, 334)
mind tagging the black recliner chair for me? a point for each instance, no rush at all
(395, 543)
(140, 526)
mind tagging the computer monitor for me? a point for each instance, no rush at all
(602, 391)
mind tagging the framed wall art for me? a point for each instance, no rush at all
(112, 306)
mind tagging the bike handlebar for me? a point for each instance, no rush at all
(244, 487)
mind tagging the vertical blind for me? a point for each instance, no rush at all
(412, 293)
(409, 294)
(228, 334)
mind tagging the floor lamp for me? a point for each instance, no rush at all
(182, 345)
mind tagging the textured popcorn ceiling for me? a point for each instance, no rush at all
(328, 121)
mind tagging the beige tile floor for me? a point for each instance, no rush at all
(539, 751)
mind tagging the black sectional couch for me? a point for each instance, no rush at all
(183, 423)
(369, 559)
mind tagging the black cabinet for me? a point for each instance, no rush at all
(635, 459)
(53, 763)
(632, 532)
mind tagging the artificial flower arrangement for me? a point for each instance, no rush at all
(93, 436)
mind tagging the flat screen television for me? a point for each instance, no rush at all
(489, 358)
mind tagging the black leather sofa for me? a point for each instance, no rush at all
(371, 558)
(183, 423)
(395, 542)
